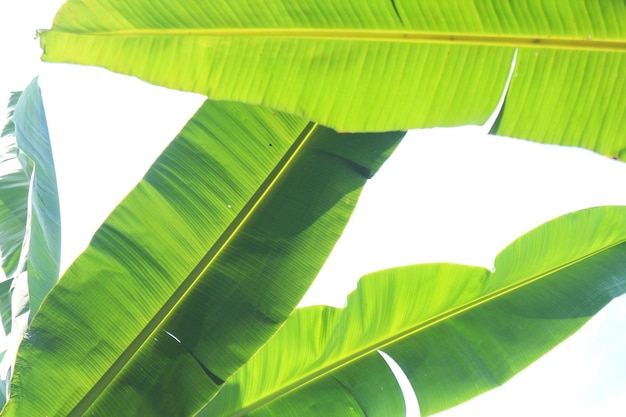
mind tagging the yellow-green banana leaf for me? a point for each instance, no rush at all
(375, 65)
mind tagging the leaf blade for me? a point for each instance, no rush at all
(364, 66)
(14, 196)
(34, 141)
(449, 327)
(30, 232)
(155, 288)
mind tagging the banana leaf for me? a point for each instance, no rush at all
(375, 65)
(198, 266)
(30, 231)
(44, 230)
(14, 183)
(456, 331)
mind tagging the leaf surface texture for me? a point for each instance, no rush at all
(455, 330)
(198, 266)
(375, 65)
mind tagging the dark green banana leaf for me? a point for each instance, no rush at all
(375, 65)
(456, 331)
(197, 268)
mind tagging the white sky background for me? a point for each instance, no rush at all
(453, 195)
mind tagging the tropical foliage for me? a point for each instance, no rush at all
(375, 65)
(184, 301)
(29, 214)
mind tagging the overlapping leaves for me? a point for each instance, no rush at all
(197, 267)
(29, 219)
(455, 330)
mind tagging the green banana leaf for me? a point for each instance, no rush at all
(30, 234)
(455, 330)
(198, 266)
(375, 65)
(14, 184)
(44, 230)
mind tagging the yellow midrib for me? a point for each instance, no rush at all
(585, 42)
(411, 331)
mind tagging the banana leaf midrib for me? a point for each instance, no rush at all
(204, 264)
(412, 330)
(588, 43)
